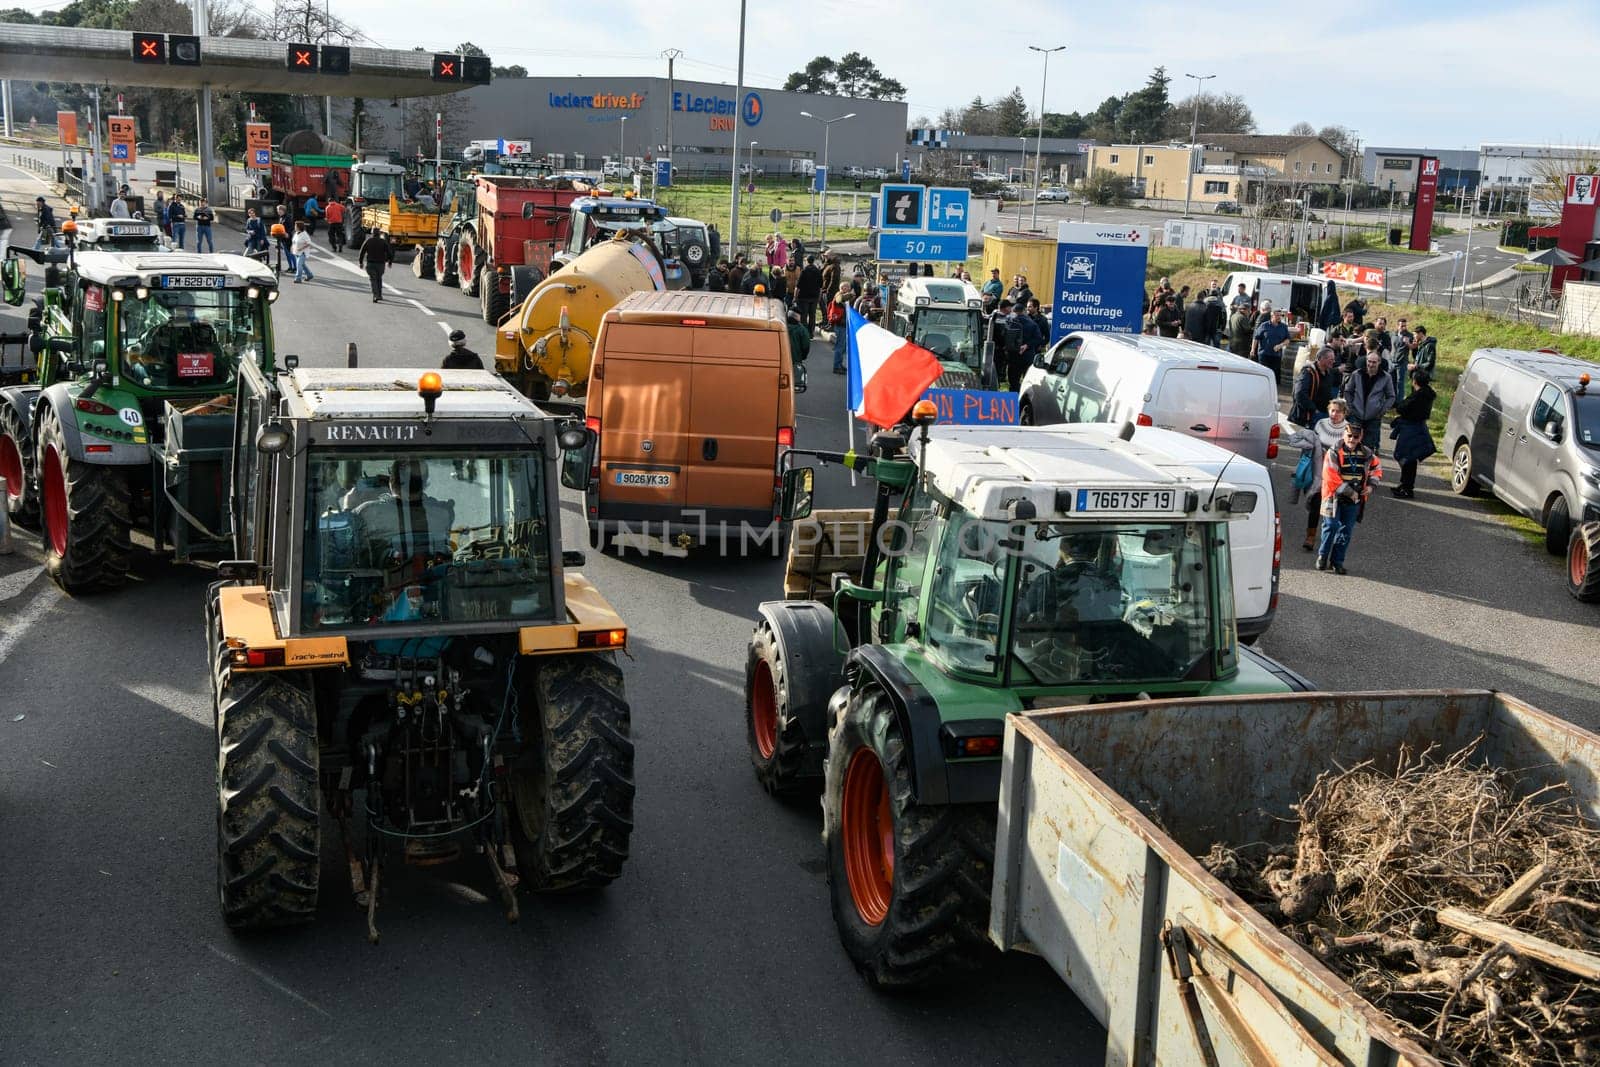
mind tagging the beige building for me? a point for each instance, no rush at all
(1228, 167)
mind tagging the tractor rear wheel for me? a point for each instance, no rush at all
(422, 263)
(909, 884)
(572, 792)
(468, 261)
(777, 745)
(491, 301)
(1583, 563)
(444, 262)
(16, 467)
(87, 510)
(268, 799)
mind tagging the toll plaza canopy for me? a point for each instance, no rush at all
(106, 57)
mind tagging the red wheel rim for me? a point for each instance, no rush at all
(465, 269)
(440, 267)
(866, 827)
(1577, 561)
(764, 710)
(55, 502)
(11, 466)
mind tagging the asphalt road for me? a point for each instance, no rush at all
(717, 944)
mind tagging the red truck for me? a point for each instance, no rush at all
(501, 250)
(306, 165)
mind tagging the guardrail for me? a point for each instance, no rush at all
(38, 166)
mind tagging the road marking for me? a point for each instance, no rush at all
(424, 308)
(14, 584)
(271, 981)
(445, 326)
(23, 621)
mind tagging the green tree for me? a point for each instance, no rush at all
(816, 77)
(515, 70)
(1011, 114)
(1227, 113)
(1105, 187)
(1144, 113)
(853, 74)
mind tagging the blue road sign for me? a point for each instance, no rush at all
(904, 207)
(948, 210)
(119, 152)
(663, 174)
(905, 170)
(1100, 276)
(923, 247)
(263, 157)
(819, 180)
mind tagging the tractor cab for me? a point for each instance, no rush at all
(118, 235)
(375, 183)
(945, 316)
(594, 219)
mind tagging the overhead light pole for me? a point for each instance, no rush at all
(1038, 146)
(1194, 132)
(738, 116)
(827, 174)
(622, 142)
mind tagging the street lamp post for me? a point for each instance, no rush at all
(1038, 148)
(827, 128)
(1194, 131)
(738, 103)
(622, 142)
(750, 157)
(1303, 203)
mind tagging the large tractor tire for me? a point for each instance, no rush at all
(523, 280)
(268, 799)
(572, 793)
(1557, 526)
(87, 511)
(492, 303)
(444, 261)
(777, 745)
(1462, 478)
(422, 263)
(1583, 563)
(909, 885)
(16, 467)
(469, 259)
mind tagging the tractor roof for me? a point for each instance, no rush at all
(93, 231)
(390, 394)
(985, 470)
(147, 268)
(945, 292)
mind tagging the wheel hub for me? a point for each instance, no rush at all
(764, 710)
(55, 502)
(1577, 561)
(866, 828)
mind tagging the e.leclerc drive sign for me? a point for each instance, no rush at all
(1099, 278)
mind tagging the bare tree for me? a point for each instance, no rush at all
(1225, 113)
(1550, 172)
(1302, 129)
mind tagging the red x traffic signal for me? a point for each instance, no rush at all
(446, 68)
(149, 48)
(301, 58)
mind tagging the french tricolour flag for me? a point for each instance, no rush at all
(887, 373)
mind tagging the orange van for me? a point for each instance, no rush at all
(691, 398)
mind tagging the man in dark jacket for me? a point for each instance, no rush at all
(1424, 352)
(1197, 321)
(1412, 441)
(1317, 384)
(1023, 341)
(717, 278)
(807, 291)
(460, 356)
(1039, 321)
(376, 254)
(1169, 320)
(46, 219)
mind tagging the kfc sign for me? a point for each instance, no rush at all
(1581, 188)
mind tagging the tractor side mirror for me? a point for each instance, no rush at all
(578, 444)
(798, 485)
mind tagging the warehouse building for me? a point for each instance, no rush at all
(581, 121)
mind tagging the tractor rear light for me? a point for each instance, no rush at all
(1272, 440)
(785, 436)
(972, 738)
(1144, 420)
(978, 746)
(592, 424)
(97, 448)
(93, 407)
(602, 638)
(692, 322)
(263, 657)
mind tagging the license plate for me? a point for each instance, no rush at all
(193, 281)
(644, 479)
(1125, 500)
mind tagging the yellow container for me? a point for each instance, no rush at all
(1032, 256)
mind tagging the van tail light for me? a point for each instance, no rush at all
(1277, 557)
(1144, 420)
(592, 424)
(785, 436)
(1272, 440)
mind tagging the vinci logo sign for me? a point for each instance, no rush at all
(598, 101)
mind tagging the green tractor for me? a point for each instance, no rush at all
(999, 570)
(125, 418)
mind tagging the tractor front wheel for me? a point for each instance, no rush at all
(493, 304)
(572, 789)
(16, 462)
(909, 884)
(468, 262)
(444, 262)
(87, 512)
(777, 745)
(268, 799)
(1583, 563)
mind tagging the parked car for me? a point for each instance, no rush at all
(1155, 381)
(1227, 207)
(1056, 193)
(1526, 426)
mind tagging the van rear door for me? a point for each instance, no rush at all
(732, 449)
(1246, 412)
(1187, 400)
(644, 422)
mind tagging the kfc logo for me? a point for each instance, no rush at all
(1581, 188)
(1430, 167)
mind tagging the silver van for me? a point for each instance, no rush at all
(1526, 426)
(1179, 385)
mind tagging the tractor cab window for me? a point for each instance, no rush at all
(396, 539)
(968, 593)
(950, 333)
(1113, 604)
(913, 537)
(190, 339)
(91, 321)
(379, 187)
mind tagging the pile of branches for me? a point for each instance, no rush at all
(1451, 896)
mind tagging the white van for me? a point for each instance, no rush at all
(1155, 381)
(1302, 294)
